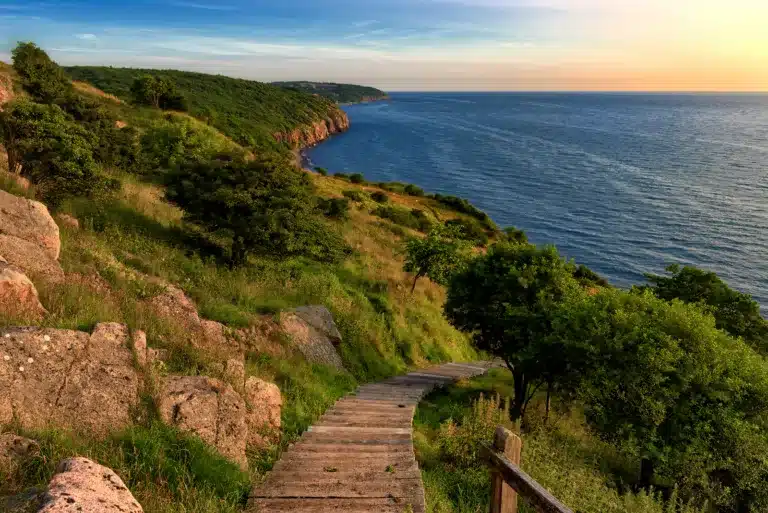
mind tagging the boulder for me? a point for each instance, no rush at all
(14, 448)
(314, 333)
(83, 486)
(30, 221)
(68, 221)
(140, 347)
(264, 403)
(18, 295)
(208, 408)
(68, 379)
(29, 258)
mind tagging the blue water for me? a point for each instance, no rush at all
(624, 183)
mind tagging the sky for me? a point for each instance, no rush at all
(412, 45)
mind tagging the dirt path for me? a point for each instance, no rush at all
(359, 457)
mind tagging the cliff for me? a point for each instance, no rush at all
(309, 135)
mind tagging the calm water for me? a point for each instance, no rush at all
(623, 183)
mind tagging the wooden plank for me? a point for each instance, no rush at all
(360, 430)
(503, 496)
(324, 505)
(534, 494)
(340, 489)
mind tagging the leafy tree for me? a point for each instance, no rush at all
(437, 256)
(53, 152)
(661, 381)
(159, 92)
(264, 204)
(42, 78)
(735, 312)
(413, 190)
(357, 178)
(471, 230)
(506, 299)
(515, 235)
(588, 277)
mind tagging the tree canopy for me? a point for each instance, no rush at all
(42, 78)
(159, 92)
(436, 256)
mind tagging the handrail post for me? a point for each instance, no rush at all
(503, 496)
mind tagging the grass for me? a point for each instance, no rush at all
(584, 473)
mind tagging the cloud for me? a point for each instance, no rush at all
(86, 37)
(207, 7)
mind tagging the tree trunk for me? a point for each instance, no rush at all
(521, 392)
(413, 288)
(549, 398)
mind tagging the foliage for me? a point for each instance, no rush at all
(506, 299)
(414, 219)
(54, 153)
(471, 230)
(357, 196)
(461, 444)
(159, 92)
(735, 312)
(321, 171)
(437, 256)
(336, 208)
(379, 197)
(463, 206)
(413, 190)
(357, 178)
(662, 381)
(251, 113)
(340, 93)
(42, 78)
(262, 204)
(588, 277)
(515, 235)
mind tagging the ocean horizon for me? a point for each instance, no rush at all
(624, 182)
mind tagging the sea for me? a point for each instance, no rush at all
(624, 183)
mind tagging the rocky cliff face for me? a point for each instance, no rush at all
(6, 89)
(305, 136)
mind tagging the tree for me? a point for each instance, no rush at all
(437, 256)
(735, 312)
(53, 152)
(158, 92)
(263, 204)
(659, 380)
(42, 78)
(506, 299)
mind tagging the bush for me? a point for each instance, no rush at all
(265, 204)
(415, 219)
(337, 208)
(158, 92)
(465, 207)
(471, 230)
(413, 190)
(357, 178)
(357, 196)
(379, 197)
(342, 176)
(54, 153)
(321, 171)
(462, 444)
(42, 78)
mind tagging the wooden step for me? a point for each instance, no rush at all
(324, 505)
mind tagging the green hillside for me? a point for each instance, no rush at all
(249, 112)
(340, 93)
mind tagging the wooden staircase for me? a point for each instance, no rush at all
(359, 457)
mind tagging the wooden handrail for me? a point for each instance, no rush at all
(512, 475)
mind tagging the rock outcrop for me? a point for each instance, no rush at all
(18, 295)
(82, 486)
(68, 221)
(68, 379)
(209, 408)
(6, 89)
(264, 403)
(29, 237)
(314, 333)
(336, 122)
(209, 336)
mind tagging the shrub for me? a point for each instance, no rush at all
(42, 78)
(357, 178)
(413, 190)
(337, 208)
(415, 219)
(461, 444)
(54, 153)
(465, 207)
(265, 204)
(342, 176)
(379, 197)
(321, 171)
(471, 230)
(357, 196)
